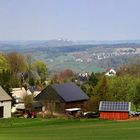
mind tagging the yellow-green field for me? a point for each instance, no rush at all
(54, 129)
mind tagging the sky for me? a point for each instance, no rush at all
(70, 19)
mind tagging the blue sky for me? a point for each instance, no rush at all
(70, 19)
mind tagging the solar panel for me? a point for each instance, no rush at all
(114, 106)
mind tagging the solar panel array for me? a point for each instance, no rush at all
(114, 106)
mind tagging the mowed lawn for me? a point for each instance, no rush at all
(54, 129)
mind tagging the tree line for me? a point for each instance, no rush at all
(125, 86)
(17, 70)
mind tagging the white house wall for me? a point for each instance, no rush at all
(7, 108)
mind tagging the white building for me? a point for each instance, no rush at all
(5, 104)
(19, 94)
(110, 72)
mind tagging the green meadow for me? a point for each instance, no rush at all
(57, 129)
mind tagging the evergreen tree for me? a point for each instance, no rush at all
(93, 79)
(101, 89)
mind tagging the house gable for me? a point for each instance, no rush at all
(4, 96)
(48, 94)
(110, 72)
(5, 104)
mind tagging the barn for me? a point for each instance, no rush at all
(114, 110)
(63, 96)
(5, 104)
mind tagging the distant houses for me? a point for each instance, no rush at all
(63, 96)
(5, 104)
(83, 76)
(114, 110)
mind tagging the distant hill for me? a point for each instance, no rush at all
(77, 55)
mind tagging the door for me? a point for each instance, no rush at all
(1, 112)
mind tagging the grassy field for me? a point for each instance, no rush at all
(44, 129)
(68, 62)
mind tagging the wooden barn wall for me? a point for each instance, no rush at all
(60, 107)
(79, 104)
(114, 115)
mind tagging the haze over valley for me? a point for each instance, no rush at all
(79, 56)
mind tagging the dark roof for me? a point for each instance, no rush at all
(3, 95)
(68, 92)
(115, 106)
(32, 88)
(36, 104)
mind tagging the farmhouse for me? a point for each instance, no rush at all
(5, 104)
(110, 72)
(63, 96)
(114, 110)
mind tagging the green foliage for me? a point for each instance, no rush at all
(93, 104)
(122, 88)
(93, 80)
(28, 99)
(17, 63)
(31, 81)
(90, 91)
(4, 77)
(17, 70)
(136, 97)
(15, 81)
(5, 80)
(97, 93)
(83, 87)
(41, 68)
(4, 64)
(101, 90)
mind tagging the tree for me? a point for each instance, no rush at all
(54, 79)
(28, 99)
(29, 61)
(90, 91)
(99, 93)
(31, 81)
(133, 70)
(122, 88)
(66, 75)
(17, 63)
(41, 69)
(18, 66)
(93, 79)
(94, 103)
(83, 87)
(101, 90)
(136, 98)
(4, 64)
(5, 80)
